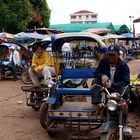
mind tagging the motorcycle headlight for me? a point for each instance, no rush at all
(112, 105)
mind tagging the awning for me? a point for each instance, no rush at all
(67, 28)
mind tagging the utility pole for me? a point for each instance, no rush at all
(130, 17)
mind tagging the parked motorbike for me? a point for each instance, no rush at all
(135, 94)
(5, 72)
(115, 106)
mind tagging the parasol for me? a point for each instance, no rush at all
(97, 30)
(113, 36)
(7, 35)
(33, 35)
(44, 31)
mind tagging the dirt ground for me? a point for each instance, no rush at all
(20, 122)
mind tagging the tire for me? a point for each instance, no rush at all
(33, 100)
(84, 84)
(25, 77)
(111, 135)
(0, 76)
(43, 115)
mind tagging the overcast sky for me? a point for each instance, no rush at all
(115, 11)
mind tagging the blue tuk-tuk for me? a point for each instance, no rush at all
(71, 110)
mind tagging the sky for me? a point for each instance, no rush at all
(115, 11)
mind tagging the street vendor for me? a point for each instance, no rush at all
(42, 65)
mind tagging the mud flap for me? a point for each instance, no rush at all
(107, 126)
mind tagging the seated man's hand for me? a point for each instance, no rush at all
(105, 81)
(33, 69)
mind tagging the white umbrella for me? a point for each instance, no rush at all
(34, 35)
(97, 30)
(113, 36)
(7, 35)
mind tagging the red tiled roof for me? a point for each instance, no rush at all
(83, 11)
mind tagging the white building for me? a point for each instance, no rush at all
(83, 16)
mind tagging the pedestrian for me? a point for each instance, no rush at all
(14, 60)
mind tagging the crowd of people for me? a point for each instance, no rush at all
(43, 66)
(112, 71)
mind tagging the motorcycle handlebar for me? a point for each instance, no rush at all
(107, 91)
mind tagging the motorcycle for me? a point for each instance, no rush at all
(5, 72)
(135, 94)
(115, 106)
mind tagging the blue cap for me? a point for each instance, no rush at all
(113, 49)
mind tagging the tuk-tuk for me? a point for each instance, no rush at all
(70, 109)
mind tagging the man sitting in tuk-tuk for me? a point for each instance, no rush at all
(42, 65)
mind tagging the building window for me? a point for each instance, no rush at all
(87, 16)
(80, 17)
(73, 17)
(93, 16)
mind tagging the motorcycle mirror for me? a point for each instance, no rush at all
(138, 76)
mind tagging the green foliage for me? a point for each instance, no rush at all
(18, 15)
(40, 9)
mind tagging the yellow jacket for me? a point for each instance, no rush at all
(41, 62)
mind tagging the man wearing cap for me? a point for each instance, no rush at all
(14, 60)
(42, 65)
(112, 70)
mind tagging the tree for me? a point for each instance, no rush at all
(14, 16)
(40, 14)
(17, 16)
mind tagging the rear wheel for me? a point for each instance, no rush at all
(25, 77)
(34, 102)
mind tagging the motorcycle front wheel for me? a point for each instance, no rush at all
(43, 115)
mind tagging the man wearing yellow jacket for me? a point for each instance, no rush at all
(42, 66)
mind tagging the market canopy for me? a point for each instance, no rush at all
(120, 29)
(84, 26)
